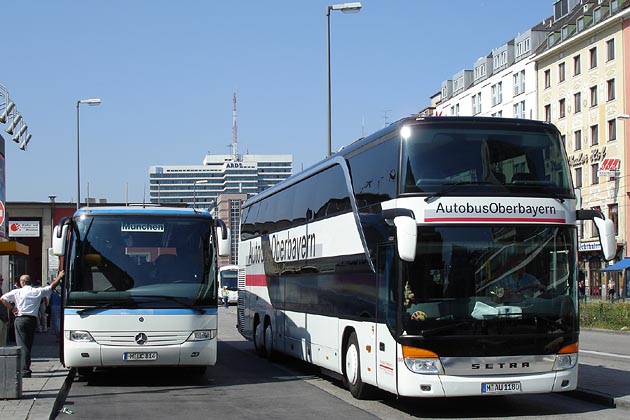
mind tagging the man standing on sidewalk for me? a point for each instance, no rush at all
(4, 318)
(27, 300)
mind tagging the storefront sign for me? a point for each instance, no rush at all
(589, 246)
(21, 229)
(609, 167)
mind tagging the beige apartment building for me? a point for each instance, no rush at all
(581, 90)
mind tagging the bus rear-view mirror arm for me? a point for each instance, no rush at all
(605, 229)
(406, 232)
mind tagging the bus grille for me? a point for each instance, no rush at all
(127, 338)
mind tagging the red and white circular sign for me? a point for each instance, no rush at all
(1, 212)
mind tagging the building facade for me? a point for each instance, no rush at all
(580, 90)
(201, 185)
(229, 210)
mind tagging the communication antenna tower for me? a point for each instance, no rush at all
(234, 129)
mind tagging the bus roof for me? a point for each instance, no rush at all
(142, 210)
(341, 154)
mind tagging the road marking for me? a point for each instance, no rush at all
(601, 353)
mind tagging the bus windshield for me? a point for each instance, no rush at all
(229, 279)
(142, 261)
(480, 159)
(465, 279)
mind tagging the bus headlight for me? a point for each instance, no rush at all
(201, 335)
(80, 336)
(565, 361)
(422, 361)
(426, 366)
(567, 357)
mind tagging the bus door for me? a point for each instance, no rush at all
(386, 346)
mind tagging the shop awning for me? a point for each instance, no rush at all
(13, 248)
(621, 265)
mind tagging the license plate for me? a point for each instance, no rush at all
(151, 355)
(500, 387)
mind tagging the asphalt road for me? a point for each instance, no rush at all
(244, 386)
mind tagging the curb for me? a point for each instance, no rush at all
(593, 396)
(62, 394)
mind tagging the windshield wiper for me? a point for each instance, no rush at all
(106, 305)
(452, 186)
(173, 299)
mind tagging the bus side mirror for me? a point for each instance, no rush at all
(223, 238)
(606, 230)
(59, 239)
(406, 236)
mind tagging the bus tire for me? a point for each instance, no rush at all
(268, 349)
(259, 339)
(352, 369)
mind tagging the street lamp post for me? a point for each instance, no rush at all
(345, 8)
(90, 102)
(199, 182)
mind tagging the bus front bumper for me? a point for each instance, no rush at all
(417, 385)
(92, 354)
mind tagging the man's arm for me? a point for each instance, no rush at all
(7, 304)
(57, 280)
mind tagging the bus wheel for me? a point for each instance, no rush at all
(259, 339)
(268, 350)
(352, 371)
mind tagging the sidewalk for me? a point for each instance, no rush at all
(40, 392)
(604, 385)
(44, 393)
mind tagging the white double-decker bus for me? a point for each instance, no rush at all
(228, 278)
(436, 257)
(140, 287)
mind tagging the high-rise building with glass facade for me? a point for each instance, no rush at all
(200, 185)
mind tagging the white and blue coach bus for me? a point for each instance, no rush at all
(396, 261)
(140, 287)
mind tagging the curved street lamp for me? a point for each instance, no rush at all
(90, 102)
(345, 8)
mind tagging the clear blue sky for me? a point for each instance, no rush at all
(166, 70)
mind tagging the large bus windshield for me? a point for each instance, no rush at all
(466, 280)
(515, 160)
(142, 261)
